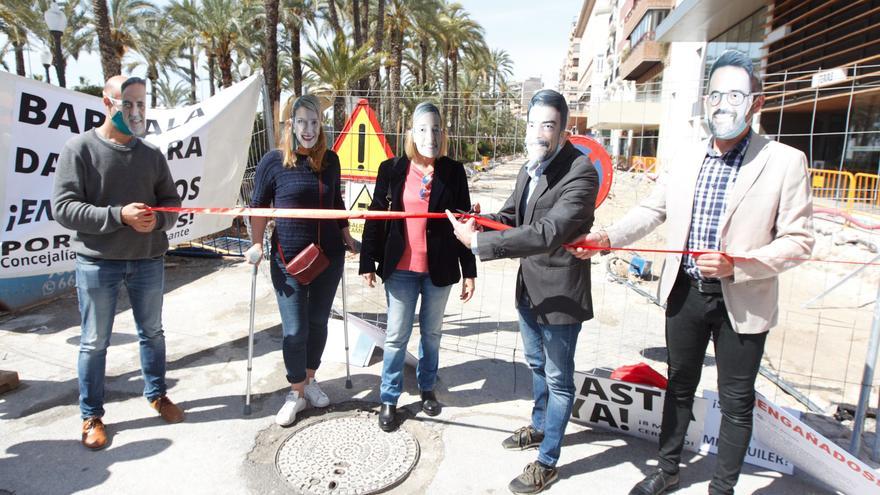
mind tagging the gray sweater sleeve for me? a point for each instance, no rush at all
(69, 205)
(166, 195)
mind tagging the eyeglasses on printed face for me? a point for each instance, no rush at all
(127, 105)
(735, 97)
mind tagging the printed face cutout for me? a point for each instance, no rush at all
(427, 134)
(130, 116)
(543, 130)
(306, 127)
(729, 102)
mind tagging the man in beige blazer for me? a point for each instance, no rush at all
(745, 202)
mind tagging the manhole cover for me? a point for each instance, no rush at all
(347, 455)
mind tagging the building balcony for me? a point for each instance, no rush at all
(636, 61)
(638, 11)
(599, 115)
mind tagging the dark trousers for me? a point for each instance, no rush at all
(305, 310)
(692, 318)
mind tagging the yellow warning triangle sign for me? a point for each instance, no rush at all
(362, 201)
(361, 146)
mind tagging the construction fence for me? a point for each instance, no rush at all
(814, 359)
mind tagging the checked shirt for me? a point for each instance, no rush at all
(717, 176)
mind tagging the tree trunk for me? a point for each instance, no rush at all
(192, 73)
(153, 76)
(295, 58)
(365, 20)
(225, 63)
(270, 56)
(394, 82)
(454, 76)
(19, 59)
(356, 23)
(375, 77)
(423, 62)
(446, 85)
(110, 64)
(338, 115)
(334, 19)
(212, 61)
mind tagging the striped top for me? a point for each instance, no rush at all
(297, 187)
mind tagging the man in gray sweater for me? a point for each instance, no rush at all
(105, 182)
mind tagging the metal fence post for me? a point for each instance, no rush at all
(867, 380)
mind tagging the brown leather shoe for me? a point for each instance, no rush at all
(94, 436)
(168, 410)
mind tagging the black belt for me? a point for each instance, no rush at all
(705, 286)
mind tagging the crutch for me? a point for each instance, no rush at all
(345, 330)
(247, 392)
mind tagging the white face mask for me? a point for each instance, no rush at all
(306, 127)
(542, 132)
(427, 134)
(729, 102)
(130, 117)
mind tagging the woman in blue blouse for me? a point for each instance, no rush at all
(302, 174)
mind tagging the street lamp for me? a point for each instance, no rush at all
(46, 59)
(57, 22)
(244, 69)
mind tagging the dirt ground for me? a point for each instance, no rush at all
(819, 349)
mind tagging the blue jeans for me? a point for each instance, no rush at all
(305, 310)
(549, 350)
(402, 290)
(97, 287)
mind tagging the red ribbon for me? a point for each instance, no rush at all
(323, 214)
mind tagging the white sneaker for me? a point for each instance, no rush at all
(316, 396)
(292, 405)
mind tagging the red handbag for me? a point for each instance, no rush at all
(311, 261)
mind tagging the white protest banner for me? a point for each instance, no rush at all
(206, 146)
(757, 454)
(631, 408)
(810, 451)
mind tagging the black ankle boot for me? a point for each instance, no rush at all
(430, 404)
(388, 417)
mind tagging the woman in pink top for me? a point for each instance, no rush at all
(417, 257)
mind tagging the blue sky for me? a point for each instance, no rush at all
(535, 35)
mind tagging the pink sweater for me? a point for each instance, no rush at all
(415, 252)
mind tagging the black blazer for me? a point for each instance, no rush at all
(383, 241)
(551, 282)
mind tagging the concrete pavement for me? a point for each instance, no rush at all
(484, 385)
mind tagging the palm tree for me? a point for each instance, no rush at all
(378, 39)
(155, 41)
(187, 40)
(109, 63)
(221, 23)
(500, 67)
(399, 19)
(294, 15)
(16, 17)
(459, 34)
(270, 55)
(332, 17)
(116, 30)
(338, 67)
(171, 96)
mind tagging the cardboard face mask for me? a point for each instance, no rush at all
(306, 128)
(729, 102)
(542, 132)
(130, 117)
(427, 134)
